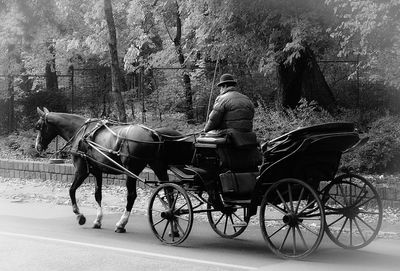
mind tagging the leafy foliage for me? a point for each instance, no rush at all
(382, 151)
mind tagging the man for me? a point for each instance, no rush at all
(232, 109)
(233, 112)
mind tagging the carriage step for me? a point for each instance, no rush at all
(182, 175)
(240, 224)
(238, 202)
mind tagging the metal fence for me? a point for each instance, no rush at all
(152, 95)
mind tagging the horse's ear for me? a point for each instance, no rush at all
(40, 112)
(46, 111)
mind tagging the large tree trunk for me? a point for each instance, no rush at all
(186, 77)
(302, 78)
(117, 79)
(50, 70)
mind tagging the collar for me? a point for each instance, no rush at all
(231, 88)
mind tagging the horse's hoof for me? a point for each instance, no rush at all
(96, 226)
(120, 230)
(81, 219)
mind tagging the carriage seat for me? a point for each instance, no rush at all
(212, 140)
(231, 149)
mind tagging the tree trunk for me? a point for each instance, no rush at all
(50, 70)
(117, 80)
(302, 78)
(186, 77)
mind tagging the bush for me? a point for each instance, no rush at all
(270, 123)
(382, 151)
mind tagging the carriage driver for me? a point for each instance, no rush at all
(232, 109)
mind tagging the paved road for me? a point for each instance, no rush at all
(41, 236)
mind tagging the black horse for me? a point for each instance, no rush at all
(98, 146)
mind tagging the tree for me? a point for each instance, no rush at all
(370, 30)
(117, 80)
(281, 38)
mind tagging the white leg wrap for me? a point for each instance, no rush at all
(99, 216)
(123, 220)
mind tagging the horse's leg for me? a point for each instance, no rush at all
(98, 196)
(80, 175)
(131, 197)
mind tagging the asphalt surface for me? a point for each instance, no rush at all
(44, 236)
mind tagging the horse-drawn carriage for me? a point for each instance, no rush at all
(296, 190)
(295, 187)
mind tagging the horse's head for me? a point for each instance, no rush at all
(46, 131)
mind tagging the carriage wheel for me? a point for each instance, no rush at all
(229, 222)
(292, 219)
(170, 214)
(354, 211)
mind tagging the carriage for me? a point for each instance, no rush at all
(292, 181)
(296, 190)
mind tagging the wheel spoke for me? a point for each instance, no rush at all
(226, 223)
(219, 220)
(278, 209)
(299, 201)
(351, 232)
(309, 229)
(162, 202)
(365, 223)
(359, 230)
(290, 197)
(179, 228)
(340, 218)
(301, 236)
(284, 240)
(165, 229)
(275, 232)
(363, 203)
(294, 241)
(232, 223)
(344, 224)
(308, 205)
(343, 194)
(282, 200)
(338, 202)
(181, 218)
(361, 191)
(161, 220)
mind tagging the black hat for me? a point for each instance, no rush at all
(226, 78)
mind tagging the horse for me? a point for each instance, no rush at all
(100, 147)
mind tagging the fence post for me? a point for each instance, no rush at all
(71, 83)
(141, 87)
(11, 123)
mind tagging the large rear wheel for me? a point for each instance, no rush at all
(292, 219)
(170, 214)
(353, 211)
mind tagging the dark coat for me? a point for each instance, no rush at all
(232, 110)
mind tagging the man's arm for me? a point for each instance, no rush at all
(215, 117)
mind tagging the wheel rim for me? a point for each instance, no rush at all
(354, 211)
(292, 219)
(230, 222)
(170, 214)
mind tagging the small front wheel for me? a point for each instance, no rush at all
(292, 219)
(170, 214)
(229, 222)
